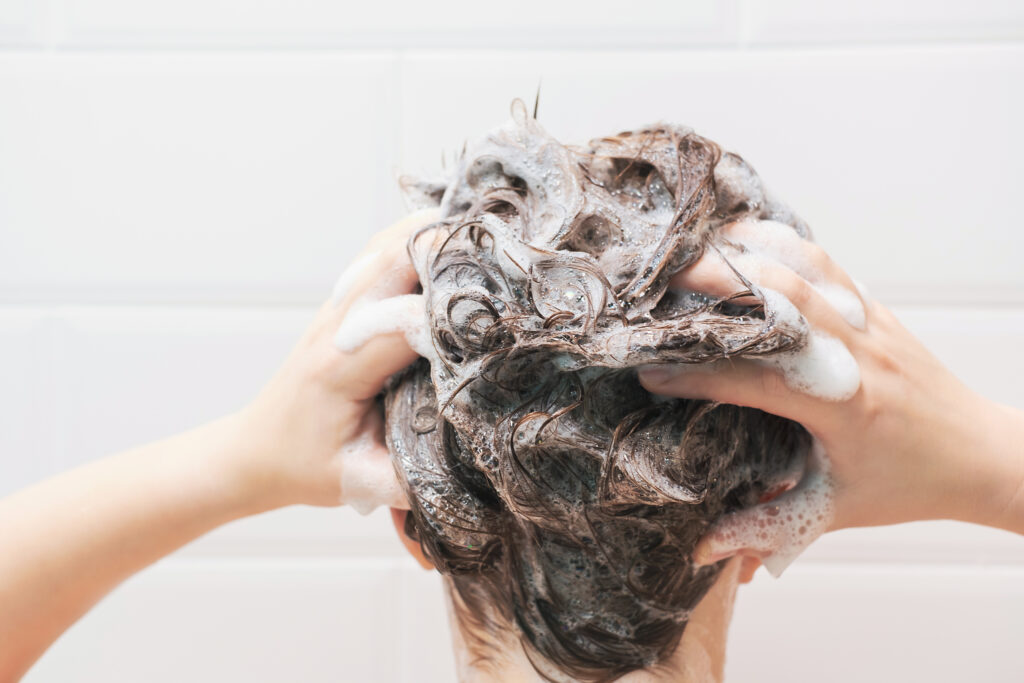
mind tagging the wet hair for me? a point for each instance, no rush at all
(554, 492)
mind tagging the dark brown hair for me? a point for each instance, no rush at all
(556, 494)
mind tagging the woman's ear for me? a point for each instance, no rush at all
(779, 528)
(747, 569)
(414, 548)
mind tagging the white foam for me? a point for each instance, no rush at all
(368, 478)
(823, 367)
(803, 514)
(781, 529)
(779, 242)
(846, 303)
(351, 276)
(369, 319)
(862, 289)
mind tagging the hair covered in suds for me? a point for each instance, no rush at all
(555, 493)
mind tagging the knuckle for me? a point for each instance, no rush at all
(882, 358)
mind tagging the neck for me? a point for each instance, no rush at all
(700, 657)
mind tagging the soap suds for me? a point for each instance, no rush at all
(367, 475)
(351, 275)
(846, 303)
(543, 479)
(778, 242)
(368, 319)
(781, 529)
(862, 289)
(823, 367)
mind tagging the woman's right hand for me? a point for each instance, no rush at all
(315, 434)
(913, 443)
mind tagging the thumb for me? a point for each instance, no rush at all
(381, 338)
(779, 530)
(368, 477)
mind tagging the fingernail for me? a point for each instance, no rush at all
(700, 555)
(656, 374)
(705, 555)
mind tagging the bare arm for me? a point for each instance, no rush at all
(313, 436)
(66, 542)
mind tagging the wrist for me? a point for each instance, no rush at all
(1005, 508)
(991, 479)
(242, 459)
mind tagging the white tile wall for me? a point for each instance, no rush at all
(395, 22)
(28, 396)
(181, 182)
(860, 141)
(267, 620)
(810, 21)
(15, 21)
(879, 623)
(567, 24)
(190, 177)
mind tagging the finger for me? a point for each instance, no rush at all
(779, 242)
(380, 341)
(378, 281)
(368, 478)
(406, 314)
(383, 266)
(778, 531)
(712, 275)
(738, 382)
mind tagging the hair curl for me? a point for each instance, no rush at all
(553, 490)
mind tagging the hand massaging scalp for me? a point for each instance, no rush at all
(545, 285)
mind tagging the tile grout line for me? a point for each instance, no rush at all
(53, 39)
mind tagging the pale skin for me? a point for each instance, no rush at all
(68, 541)
(913, 443)
(699, 658)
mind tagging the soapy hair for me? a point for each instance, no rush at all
(558, 496)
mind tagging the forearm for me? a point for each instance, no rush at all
(996, 472)
(68, 541)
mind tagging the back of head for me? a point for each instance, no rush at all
(555, 492)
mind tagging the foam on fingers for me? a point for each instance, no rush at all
(367, 476)
(773, 241)
(368, 319)
(780, 530)
(823, 367)
(352, 275)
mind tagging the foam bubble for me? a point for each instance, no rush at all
(823, 367)
(846, 303)
(862, 289)
(367, 476)
(805, 514)
(781, 530)
(778, 242)
(351, 275)
(368, 319)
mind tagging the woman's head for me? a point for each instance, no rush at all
(555, 492)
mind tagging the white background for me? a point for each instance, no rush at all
(180, 183)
